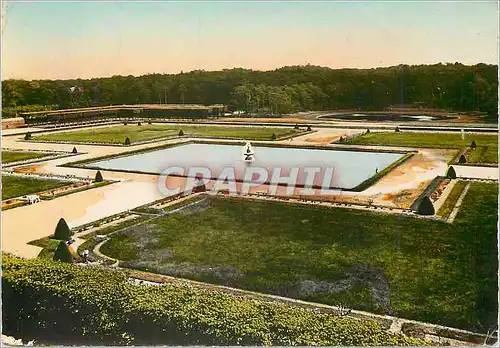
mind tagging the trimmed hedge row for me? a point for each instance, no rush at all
(58, 303)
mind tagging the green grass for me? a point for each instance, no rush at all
(447, 207)
(433, 140)
(435, 272)
(13, 186)
(14, 156)
(135, 133)
(49, 246)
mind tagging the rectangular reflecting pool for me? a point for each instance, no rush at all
(350, 168)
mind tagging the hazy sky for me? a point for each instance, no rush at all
(65, 39)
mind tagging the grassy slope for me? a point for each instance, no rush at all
(16, 186)
(433, 140)
(136, 133)
(13, 156)
(437, 272)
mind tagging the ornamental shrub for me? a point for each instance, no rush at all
(451, 174)
(62, 253)
(56, 303)
(426, 207)
(62, 231)
(98, 176)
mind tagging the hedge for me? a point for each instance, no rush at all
(58, 303)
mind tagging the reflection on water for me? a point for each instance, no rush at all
(385, 117)
(350, 167)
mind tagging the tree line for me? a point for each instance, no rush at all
(454, 87)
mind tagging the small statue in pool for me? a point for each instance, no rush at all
(248, 153)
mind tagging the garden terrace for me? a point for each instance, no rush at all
(403, 266)
(118, 134)
(486, 151)
(15, 156)
(123, 111)
(15, 186)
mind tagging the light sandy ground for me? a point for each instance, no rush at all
(27, 223)
(476, 172)
(323, 136)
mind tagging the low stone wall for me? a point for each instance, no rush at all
(15, 122)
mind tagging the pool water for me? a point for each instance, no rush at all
(349, 168)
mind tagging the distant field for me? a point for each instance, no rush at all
(14, 156)
(414, 268)
(13, 186)
(137, 133)
(435, 140)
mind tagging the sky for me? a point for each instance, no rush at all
(66, 39)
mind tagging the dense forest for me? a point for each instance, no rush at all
(297, 88)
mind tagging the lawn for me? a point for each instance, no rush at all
(137, 133)
(414, 268)
(14, 156)
(452, 199)
(488, 142)
(49, 246)
(13, 186)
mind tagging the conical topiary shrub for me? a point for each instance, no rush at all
(296, 126)
(426, 207)
(308, 128)
(62, 231)
(27, 136)
(127, 141)
(149, 122)
(125, 123)
(74, 150)
(367, 131)
(181, 133)
(462, 159)
(62, 253)
(397, 129)
(98, 176)
(341, 140)
(139, 123)
(273, 136)
(451, 174)
(473, 144)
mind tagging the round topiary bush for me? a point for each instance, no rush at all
(462, 159)
(426, 207)
(74, 150)
(273, 136)
(62, 231)
(149, 122)
(27, 136)
(125, 123)
(127, 141)
(451, 174)
(473, 144)
(181, 133)
(62, 253)
(98, 176)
